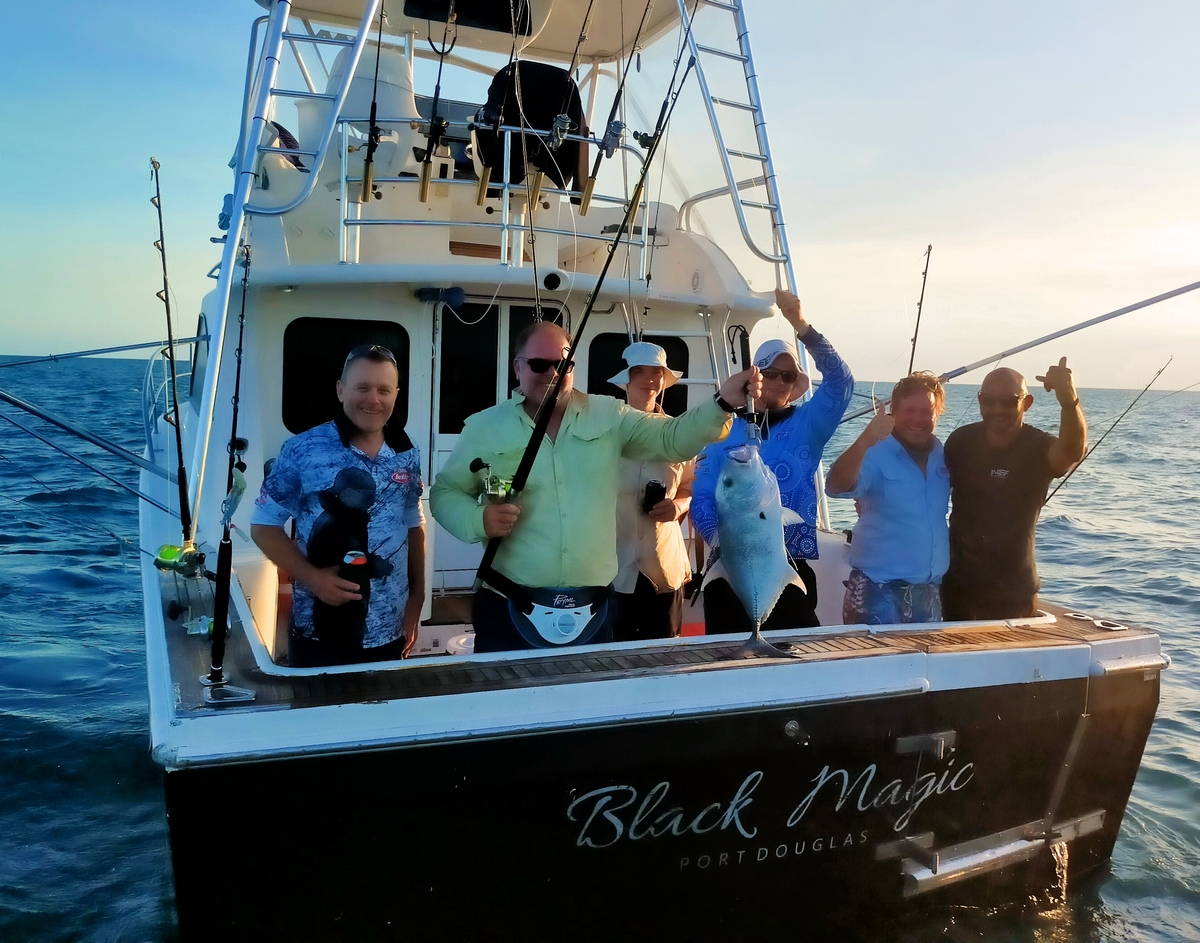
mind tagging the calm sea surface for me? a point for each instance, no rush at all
(83, 838)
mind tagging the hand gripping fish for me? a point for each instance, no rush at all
(750, 522)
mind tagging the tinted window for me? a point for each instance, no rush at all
(519, 318)
(604, 361)
(314, 352)
(470, 335)
(480, 14)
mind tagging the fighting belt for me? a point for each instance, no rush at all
(548, 617)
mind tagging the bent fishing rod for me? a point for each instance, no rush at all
(185, 515)
(1089, 452)
(545, 410)
(1045, 339)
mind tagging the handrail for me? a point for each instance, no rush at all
(685, 208)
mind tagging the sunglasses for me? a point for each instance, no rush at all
(367, 350)
(541, 365)
(787, 376)
(1008, 401)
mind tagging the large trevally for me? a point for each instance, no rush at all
(750, 522)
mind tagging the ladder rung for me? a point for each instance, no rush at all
(323, 40)
(742, 105)
(753, 206)
(297, 93)
(737, 56)
(731, 7)
(285, 151)
(746, 154)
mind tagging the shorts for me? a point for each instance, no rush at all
(892, 603)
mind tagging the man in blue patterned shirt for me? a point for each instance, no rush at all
(353, 487)
(793, 440)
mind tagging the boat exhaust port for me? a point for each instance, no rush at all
(927, 869)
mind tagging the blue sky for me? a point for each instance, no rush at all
(1048, 151)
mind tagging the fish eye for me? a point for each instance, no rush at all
(728, 481)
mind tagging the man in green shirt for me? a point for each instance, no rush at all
(560, 544)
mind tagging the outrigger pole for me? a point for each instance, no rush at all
(1046, 338)
(545, 409)
(185, 516)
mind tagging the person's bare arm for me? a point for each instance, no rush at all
(416, 587)
(843, 474)
(325, 583)
(1071, 444)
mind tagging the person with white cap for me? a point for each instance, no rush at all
(793, 440)
(652, 497)
(559, 550)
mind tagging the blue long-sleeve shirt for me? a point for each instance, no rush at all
(792, 447)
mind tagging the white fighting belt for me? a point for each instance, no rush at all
(560, 626)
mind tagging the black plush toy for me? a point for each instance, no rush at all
(342, 529)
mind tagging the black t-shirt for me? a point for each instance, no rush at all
(997, 495)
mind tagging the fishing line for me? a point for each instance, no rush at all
(1088, 454)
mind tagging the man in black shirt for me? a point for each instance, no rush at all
(1000, 469)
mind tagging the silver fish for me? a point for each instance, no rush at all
(750, 522)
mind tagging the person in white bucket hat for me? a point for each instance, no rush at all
(652, 498)
(793, 440)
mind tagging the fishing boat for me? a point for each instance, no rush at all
(647, 789)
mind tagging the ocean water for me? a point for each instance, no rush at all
(83, 838)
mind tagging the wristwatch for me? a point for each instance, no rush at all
(720, 401)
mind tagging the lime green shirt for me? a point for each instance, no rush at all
(567, 532)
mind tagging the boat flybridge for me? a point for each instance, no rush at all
(545, 793)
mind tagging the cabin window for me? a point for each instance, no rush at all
(604, 361)
(478, 14)
(199, 364)
(519, 318)
(314, 352)
(470, 343)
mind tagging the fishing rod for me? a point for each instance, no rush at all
(1088, 454)
(562, 121)
(185, 515)
(613, 129)
(54, 358)
(545, 410)
(368, 180)
(917, 330)
(234, 476)
(1045, 339)
(437, 124)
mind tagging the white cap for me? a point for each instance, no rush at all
(772, 350)
(644, 354)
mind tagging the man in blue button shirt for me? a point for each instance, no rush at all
(897, 473)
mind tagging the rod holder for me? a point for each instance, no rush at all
(368, 182)
(426, 177)
(485, 180)
(535, 190)
(585, 201)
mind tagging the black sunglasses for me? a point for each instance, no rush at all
(1005, 401)
(368, 350)
(541, 365)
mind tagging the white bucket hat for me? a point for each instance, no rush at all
(645, 354)
(772, 350)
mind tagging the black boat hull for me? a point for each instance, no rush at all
(700, 828)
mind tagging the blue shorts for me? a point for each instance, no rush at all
(892, 603)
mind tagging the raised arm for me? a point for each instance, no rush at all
(843, 474)
(650, 438)
(1071, 444)
(831, 398)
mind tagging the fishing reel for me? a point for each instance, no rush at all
(494, 487)
(237, 447)
(559, 131)
(614, 134)
(186, 561)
